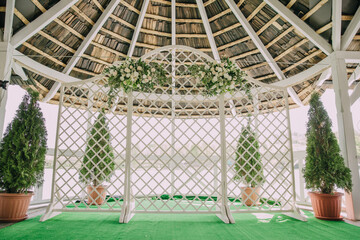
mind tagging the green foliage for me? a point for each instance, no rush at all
(325, 168)
(248, 165)
(134, 75)
(23, 147)
(98, 163)
(218, 78)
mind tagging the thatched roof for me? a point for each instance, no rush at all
(56, 44)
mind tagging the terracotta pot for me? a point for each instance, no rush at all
(13, 206)
(326, 206)
(96, 197)
(251, 196)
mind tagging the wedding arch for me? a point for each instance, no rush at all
(175, 149)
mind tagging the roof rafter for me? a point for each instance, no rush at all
(301, 26)
(355, 75)
(9, 16)
(259, 44)
(83, 46)
(336, 25)
(40, 22)
(351, 30)
(211, 39)
(355, 94)
(138, 27)
(208, 30)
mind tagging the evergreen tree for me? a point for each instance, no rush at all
(325, 168)
(248, 166)
(23, 147)
(98, 163)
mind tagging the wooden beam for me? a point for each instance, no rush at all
(355, 94)
(305, 75)
(263, 50)
(94, 30)
(325, 75)
(41, 69)
(40, 22)
(9, 16)
(355, 75)
(208, 30)
(255, 38)
(336, 25)
(301, 26)
(138, 27)
(351, 31)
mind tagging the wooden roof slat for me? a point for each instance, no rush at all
(98, 5)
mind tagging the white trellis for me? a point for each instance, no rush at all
(175, 148)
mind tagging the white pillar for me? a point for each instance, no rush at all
(6, 52)
(346, 133)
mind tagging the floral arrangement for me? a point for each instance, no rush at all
(218, 78)
(134, 75)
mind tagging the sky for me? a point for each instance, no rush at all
(298, 116)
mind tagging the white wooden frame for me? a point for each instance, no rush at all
(212, 177)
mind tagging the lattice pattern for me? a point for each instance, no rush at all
(175, 149)
(81, 105)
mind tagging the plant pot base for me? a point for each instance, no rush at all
(13, 220)
(341, 218)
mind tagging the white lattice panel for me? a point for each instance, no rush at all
(175, 149)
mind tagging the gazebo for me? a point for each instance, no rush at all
(287, 48)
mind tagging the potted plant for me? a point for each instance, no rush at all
(98, 162)
(248, 166)
(324, 169)
(22, 159)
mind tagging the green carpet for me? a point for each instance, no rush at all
(162, 226)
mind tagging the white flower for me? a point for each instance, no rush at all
(112, 72)
(128, 75)
(122, 78)
(215, 79)
(146, 80)
(222, 64)
(232, 86)
(139, 68)
(207, 67)
(226, 75)
(219, 69)
(220, 84)
(150, 78)
(136, 74)
(144, 76)
(153, 70)
(131, 67)
(127, 70)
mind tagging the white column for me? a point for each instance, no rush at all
(346, 133)
(6, 52)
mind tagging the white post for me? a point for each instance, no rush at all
(346, 133)
(126, 208)
(225, 214)
(6, 52)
